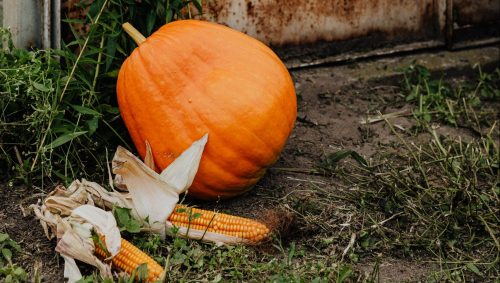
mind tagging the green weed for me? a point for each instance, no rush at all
(440, 198)
(192, 261)
(58, 111)
(438, 101)
(9, 271)
(125, 221)
(189, 261)
(435, 201)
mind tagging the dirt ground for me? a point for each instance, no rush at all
(332, 101)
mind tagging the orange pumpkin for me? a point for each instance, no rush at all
(193, 77)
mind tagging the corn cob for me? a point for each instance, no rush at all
(220, 223)
(129, 258)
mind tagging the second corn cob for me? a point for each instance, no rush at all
(130, 257)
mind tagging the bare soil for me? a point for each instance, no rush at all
(330, 108)
(37, 252)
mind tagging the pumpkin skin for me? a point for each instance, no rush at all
(193, 77)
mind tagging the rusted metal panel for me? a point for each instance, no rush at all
(476, 12)
(310, 32)
(293, 22)
(475, 22)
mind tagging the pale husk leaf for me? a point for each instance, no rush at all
(155, 196)
(63, 201)
(47, 219)
(151, 196)
(71, 270)
(104, 223)
(103, 198)
(181, 172)
(148, 158)
(76, 244)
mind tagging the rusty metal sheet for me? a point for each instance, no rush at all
(476, 12)
(475, 22)
(293, 22)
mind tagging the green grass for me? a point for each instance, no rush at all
(191, 261)
(437, 200)
(460, 106)
(442, 198)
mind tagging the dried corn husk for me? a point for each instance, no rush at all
(72, 214)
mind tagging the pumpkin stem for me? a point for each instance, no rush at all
(134, 33)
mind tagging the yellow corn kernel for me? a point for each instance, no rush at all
(220, 223)
(130, 257)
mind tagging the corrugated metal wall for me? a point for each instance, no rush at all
(476, 12)
(1, 12)
(291, 22)
(475, 21)
(309, 32)
(315, 31)
(33, 23)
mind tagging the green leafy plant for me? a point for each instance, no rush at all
(432, 96)
(125, 220)
(436, 100)
(488, 85)
(139, 275)
(58, 111)
(8, 270)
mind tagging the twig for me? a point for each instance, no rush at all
(309, 181)
(18, 156)
(492, 234)
(384, 221)
(296, 170)
(381, 117)
(350, 245)
(110, 175)
(438, 142)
